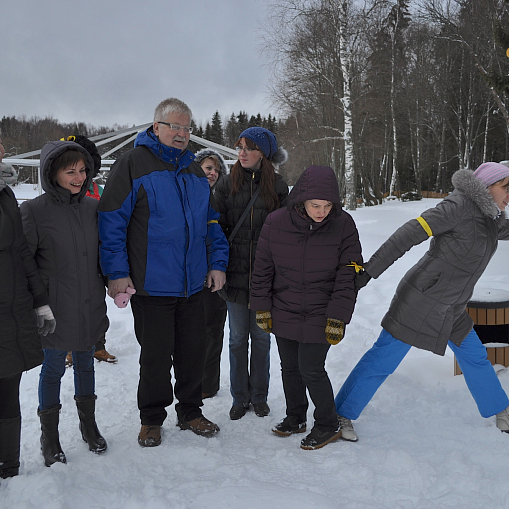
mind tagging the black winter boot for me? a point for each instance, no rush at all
(50, 443)
(88, 426)
(10, 435)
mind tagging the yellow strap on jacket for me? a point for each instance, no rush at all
(425, 226)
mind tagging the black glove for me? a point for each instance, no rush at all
(362, 279)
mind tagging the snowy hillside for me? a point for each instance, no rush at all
(422, 443)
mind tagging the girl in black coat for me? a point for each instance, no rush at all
(61, 229)
(21, 290)
(258, 152)
(303, 291)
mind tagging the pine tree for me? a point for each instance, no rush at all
(197, 131)
(231, 131)
(242, 121)
(270, 124)
(252, 121)
(216, 129)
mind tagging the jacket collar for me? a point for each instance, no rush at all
(464, 181)
(302, 221)
(180, 159)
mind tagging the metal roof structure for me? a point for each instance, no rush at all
(124, 136)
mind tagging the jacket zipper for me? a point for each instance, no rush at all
(250, 248)
(303, 272)
(70, 217)
(187, 238)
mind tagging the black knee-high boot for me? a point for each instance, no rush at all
(50, 441)
(10, 435)
(88, 426)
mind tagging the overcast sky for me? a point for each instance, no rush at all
(108, 62)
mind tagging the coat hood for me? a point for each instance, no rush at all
(49, 153)
(473, 188)
(208, 152)
(316, 183)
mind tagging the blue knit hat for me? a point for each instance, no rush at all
(266, 142)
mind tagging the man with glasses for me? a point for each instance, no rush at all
(160, 237)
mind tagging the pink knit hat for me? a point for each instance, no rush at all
(489, 173)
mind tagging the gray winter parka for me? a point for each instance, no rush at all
(428, 308)
(61, 231)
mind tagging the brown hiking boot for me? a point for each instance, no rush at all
(103, 355)
(150, 435)
(201, 426)
(68, 360)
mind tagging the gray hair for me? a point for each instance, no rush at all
(171, 105)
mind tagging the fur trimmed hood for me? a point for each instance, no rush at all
(473, 188)
(208, 152)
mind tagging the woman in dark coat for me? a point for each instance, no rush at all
(21, 291)
(258, 153)
(61, 229)
(428, 310)
(212, 163)
(303, 291)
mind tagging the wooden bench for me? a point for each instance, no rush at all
(489, 309)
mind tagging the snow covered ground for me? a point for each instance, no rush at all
(422, 445)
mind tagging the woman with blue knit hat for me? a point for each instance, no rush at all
(428, 310)
(253, 186)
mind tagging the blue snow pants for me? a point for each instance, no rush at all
(384, 357)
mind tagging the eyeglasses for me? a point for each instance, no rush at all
(177, 127)
(247, 150)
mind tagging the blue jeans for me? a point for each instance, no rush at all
(247, 385)
(53, 369)
(385, 356)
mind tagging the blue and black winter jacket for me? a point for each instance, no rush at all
(156, 222)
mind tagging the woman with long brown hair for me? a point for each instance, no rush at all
(253, 174)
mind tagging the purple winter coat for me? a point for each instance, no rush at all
(302, 271)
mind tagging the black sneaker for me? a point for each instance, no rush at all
(237, 412)
(318, 439)
(288, 426)
(261, 409)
